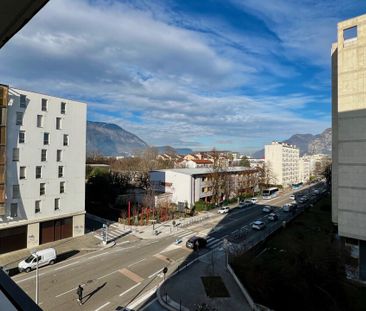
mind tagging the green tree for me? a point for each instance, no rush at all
(244, 161)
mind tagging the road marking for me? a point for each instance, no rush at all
(155, 273)
(66, 292)
(149, 304)
(29, 278)
(101, 307)
(142, 299)
(135, 263)
(70, 264)
(103, 276)
(133, 276)
(131, 288)
(98, 255)
(163, 258)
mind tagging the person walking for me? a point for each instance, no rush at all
(79, 292)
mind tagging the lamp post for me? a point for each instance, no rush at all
(34, 253)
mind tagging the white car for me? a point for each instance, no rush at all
(254, 200)
(292, 197)
(258, 225)
(45, 257)
(223, 210)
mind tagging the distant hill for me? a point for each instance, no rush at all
(168, 149)
(109, 139)
(307, 143)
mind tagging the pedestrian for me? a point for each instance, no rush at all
(79, 292)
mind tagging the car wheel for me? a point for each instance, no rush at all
(28, 270)
(52, 262)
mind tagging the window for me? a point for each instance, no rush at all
(59, 155)
(42, 189)
(3, 116)
(23, 102)
(46, 138)
(38, 172)
(21, 137)
(63, 108)
(16, 192)
(14, 210)
(44, 155)
(350, 33)
(22, 172)
(60, 171)
(39, 120)
(44, 104)
(15, 154)
(58, 123)
(62, 187)
(19, 120)
(37, 206)
(66, 140)
(57, 204)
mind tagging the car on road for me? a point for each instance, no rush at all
(196, 242)
(267, 209)
(223, 210)
(258, 225)
(45, 257)
(292, 197)
(253, 200)
(245, 203)
(272, 217)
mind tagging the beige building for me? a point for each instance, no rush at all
(304, 169)
(349, 135)
(282, 162)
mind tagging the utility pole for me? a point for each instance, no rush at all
(37, 277)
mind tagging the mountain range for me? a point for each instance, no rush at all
(307, 143)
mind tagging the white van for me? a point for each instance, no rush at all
(45, 257)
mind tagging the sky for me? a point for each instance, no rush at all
(233, 74)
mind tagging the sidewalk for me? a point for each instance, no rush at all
(184, 290)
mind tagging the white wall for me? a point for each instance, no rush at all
(73, 160)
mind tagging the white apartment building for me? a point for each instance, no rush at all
(282, 162)
(304, 169)
(188, 186)
(42, 176)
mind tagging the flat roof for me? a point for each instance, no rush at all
(204, 170)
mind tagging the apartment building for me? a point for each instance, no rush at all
(282, 163)
(189, 185)
(304, 169)
(42, 168)
(349, 136)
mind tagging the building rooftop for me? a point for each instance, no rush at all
(204, 170)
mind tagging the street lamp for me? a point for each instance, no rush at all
(34, 253)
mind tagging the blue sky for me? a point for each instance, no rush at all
(201, 74)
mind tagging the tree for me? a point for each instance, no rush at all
(217, 176)
(244, 161)
(327, 174)
(266, 176)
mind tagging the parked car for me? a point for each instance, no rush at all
(267, 209)
(196, 242)
(245, 203)
(258, 225)
(254, 200)
(272, 217)
(287, 207)
(223, 210)
(45, 257)
(292, 197)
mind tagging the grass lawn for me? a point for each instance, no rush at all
(214, 286)
(302, 267)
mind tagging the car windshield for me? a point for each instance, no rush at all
(29, 259)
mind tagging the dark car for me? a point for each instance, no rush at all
(196, 242)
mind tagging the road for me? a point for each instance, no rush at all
(129, 273)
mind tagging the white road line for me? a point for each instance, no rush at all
(155, 273)
(142, 299)
(131, 288)
(66, 292)
(98, 255)
(101, 307)
(29, 278)
(135, 263)
(70, 264)
(103, 276)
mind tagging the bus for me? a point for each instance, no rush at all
(296, 186)
(270, 193)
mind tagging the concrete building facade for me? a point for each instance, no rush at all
(282, 162)
(188, 186)
(304, 169)
(349, 135)
(42, 168)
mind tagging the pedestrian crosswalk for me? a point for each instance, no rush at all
(211, 241)
(114, 232)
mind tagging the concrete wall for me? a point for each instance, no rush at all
(349, 130)
(33, 235)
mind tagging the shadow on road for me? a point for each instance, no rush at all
(88, 296)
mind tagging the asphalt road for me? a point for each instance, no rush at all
(129, 273)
